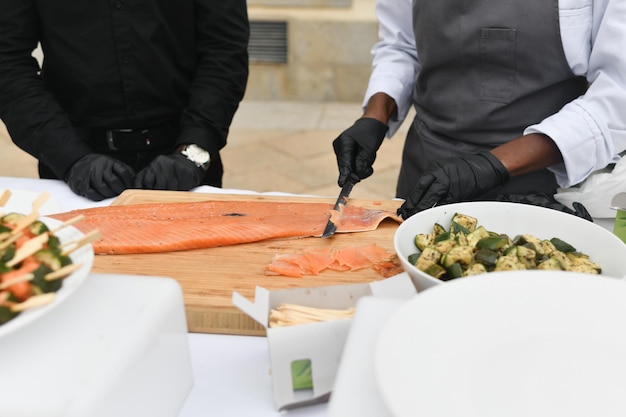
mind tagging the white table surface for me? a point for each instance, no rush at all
(231, 373)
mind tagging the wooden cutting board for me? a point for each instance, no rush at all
(208, 277)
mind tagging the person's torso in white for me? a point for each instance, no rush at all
(586, 137)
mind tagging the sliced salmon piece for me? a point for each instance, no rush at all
(349, 258)
(168, 227)
(311, 262)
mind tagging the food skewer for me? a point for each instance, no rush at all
(86, 239)
(26, 277)
(34, 301)
(28, 248)
(70, 222)
(62, 272)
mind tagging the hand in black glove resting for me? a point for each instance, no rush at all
(170, 172)
(356, 149)
(98, 177)
(454, 180)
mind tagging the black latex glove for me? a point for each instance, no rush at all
(454, 180)
(98, 177)
(546, 200)
(356, 149)
(170, 172)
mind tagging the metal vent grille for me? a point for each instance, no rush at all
(268, 42)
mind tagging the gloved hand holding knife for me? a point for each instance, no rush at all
(356, 149)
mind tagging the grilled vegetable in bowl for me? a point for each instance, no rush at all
(466, 248)
(502, 226)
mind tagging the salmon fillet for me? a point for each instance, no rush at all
(348, 258)
(168, 227)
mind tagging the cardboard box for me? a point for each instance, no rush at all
(321, 343)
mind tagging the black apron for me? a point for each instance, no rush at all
(489, 69)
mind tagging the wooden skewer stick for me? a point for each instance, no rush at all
(70, 222)
(40, 200)
(34, 301)
(16, 280)
(6, 195)
(88, 238)
(30, 247)
(62, 272)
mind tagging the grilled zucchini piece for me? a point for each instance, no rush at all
(38, 227)
(12, 218)
(424, 239)
(438, 229)
(486, 257)
(465, 221)
(509, 263)
(495, 243)
(479, 233)
(453, 271)
(463, 255)
(562, 245)
(445, 246)
(435, 270)
(475, 269)
(526, 255)
(428, 257)
(551, 264)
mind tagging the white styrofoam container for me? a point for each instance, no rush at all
(322, 343)
(117, 347)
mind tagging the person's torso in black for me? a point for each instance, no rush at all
(118, 63)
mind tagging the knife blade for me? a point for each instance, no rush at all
(619, 201)
(342, 200)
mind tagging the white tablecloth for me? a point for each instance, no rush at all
(231, 373)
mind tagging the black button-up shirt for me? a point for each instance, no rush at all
(120, 64)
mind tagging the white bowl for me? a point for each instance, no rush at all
(602, 246)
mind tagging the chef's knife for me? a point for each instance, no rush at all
(341, 201)
(619, 203)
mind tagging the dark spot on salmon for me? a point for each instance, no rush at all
(234, 214)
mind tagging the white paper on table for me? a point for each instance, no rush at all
(596, 192)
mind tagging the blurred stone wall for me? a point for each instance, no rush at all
(328, 52)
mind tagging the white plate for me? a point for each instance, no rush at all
(524, 343)
(83, 255)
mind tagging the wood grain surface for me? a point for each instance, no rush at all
(208, 277)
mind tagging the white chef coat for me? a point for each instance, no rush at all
(590, 131)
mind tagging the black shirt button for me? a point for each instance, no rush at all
(127, 59)
(118, 4)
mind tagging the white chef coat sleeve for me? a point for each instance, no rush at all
(591, 130)
(394, 65)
